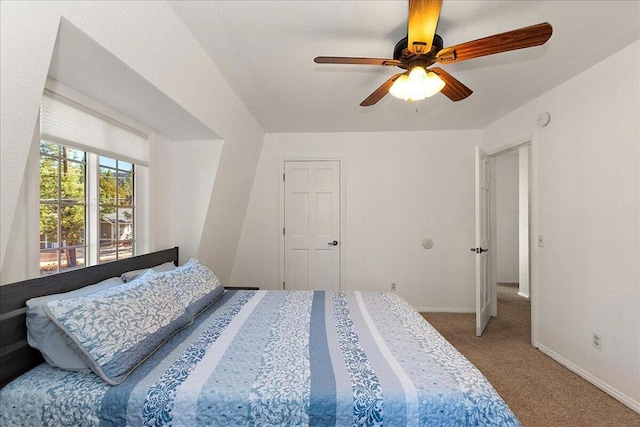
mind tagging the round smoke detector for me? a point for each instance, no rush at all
(543, 119)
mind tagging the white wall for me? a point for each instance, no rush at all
(197, 162)
(400, 188)
(162, 188)
(19, 262)
(586, 184)
(153, 41)
(507, 206)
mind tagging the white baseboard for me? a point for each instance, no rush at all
(445, 309)
(522, 294)
(628, 401)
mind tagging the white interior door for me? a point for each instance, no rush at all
(483, 241)
(312, 225)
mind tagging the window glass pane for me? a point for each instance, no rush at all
(48, 262)
(108, 228)
(73, 154)
(125, 166)
(107, 186)
(49, 148)
(48, 179)
(107, 252)
(125, 189)
(106, 161)
(48, 226)
(72, 258)
(125, 250)
(72, 182)
(125, 224)
(72, 225)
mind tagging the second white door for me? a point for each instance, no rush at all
(312, 225)
(483, 241)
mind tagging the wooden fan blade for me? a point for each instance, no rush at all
(453, 88)
(423, 20)
(356, 61)
(379, 93)
(534, 35)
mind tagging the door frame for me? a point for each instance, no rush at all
(533, 214)
(343, 229)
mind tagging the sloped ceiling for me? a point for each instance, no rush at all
(265, 50)
(81, 63)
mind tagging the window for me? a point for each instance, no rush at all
(64, 216)
(88, 189)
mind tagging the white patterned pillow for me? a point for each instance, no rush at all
(116, 330)
(194, 285)
(44, 335)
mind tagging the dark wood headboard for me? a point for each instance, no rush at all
(16, 356)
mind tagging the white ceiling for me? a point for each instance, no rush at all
(265, 49)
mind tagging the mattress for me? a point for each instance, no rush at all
(270, 358)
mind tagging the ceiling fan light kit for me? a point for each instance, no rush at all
(419, 84)
(423, 47)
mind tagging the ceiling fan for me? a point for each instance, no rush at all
(423, 47)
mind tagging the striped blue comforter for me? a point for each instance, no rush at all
(278, 358)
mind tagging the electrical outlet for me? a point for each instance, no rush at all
(596, 340)
(394, 286)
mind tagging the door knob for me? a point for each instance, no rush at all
(334, 243)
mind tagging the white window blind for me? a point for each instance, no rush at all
(65, 122)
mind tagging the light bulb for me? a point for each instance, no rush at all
(400, 87)
(433, 84)
(417, 75)
(415, 93)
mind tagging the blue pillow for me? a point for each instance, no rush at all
(116, 330)
(130, 275)
(194, 285)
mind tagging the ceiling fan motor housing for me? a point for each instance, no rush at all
(402, 53)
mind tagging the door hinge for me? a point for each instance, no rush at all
(283, 231)
(283, 177)
(284, 286)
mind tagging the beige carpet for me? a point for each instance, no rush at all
(539, 391)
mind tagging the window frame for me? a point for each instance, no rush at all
(92, 241)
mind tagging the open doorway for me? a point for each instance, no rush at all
(510, 234)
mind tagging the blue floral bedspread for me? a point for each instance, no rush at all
(271, 358)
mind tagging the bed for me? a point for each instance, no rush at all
(255, 357)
